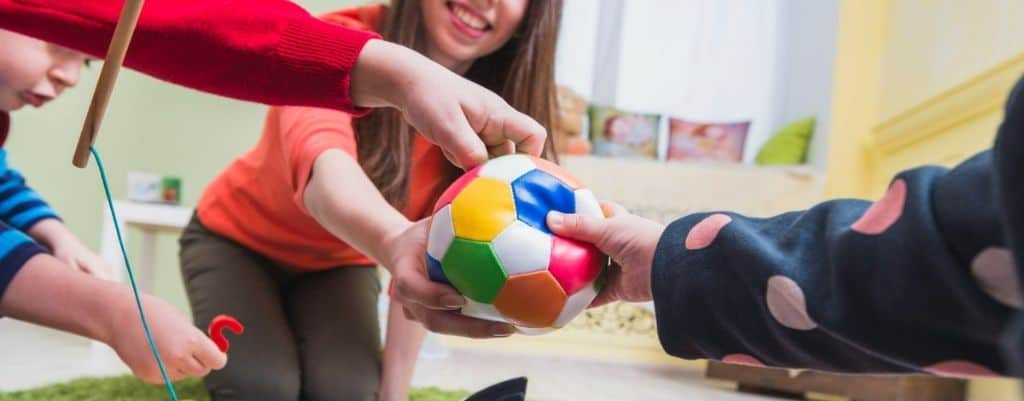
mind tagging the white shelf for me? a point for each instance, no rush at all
(665, 190)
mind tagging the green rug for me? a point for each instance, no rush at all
(127, 388)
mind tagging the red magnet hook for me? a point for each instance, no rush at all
(218, 324)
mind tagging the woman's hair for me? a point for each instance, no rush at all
(522, 72)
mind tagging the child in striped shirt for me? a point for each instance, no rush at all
(47, 276)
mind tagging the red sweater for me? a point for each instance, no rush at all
(5, 125)
(267, 51)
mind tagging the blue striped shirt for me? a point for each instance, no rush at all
(20, 209)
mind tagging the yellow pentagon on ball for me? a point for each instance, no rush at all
(482, 209)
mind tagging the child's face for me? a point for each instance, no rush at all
(33, 72)
(461, 31)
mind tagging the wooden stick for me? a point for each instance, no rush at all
(115, 56)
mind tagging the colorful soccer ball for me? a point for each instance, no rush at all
(490, 241)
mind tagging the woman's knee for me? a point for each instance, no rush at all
(324, 386)
(250, 385)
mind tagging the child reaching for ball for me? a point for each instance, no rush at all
(925, 280)
(288, 236)
(276, 53)
(47, 276)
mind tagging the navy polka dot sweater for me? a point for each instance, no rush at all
(926, 279)
(20, 209)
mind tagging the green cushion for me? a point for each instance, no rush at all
(788, 145)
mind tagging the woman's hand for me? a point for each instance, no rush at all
(435, 305)
(466, 120)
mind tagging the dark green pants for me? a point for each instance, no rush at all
(308, 336)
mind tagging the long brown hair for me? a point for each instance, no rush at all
(522, 72)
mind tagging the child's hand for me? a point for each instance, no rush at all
(466, 120)
(628, 239)
(80, 257)
(67, 248)
(423, 300)
(184, 349)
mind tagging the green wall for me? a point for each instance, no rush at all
(150, 126)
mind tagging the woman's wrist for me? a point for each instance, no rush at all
(381, 73)
(391, 235)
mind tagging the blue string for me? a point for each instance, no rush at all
(131, 276)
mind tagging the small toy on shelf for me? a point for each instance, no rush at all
(569, 132)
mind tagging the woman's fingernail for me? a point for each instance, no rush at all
(555, 218)
(502, 330)
(453, 301)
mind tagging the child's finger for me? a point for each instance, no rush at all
(93, 268)
(612, 209)
(191, 366)
(70, 261)
(577, 226)
(177, 374)
(209, 356)
(150, 375)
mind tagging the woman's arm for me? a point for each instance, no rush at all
(346, 203)
(268, 51)
(275, 52)
(401, 349)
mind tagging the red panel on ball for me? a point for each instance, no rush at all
(456, 187)
(574, 264)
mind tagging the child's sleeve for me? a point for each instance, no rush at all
(20, 206)
(268, 51)
(920, 280)
(1008, 159)
(16, 248)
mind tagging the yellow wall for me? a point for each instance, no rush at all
(921, 82)
(918, 82)
(855, 95)
(933, 45)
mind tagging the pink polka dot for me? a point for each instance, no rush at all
(786, 304)
(996, 274)
(742, 359)
(883, 213)
(705, 232)
(961, 369)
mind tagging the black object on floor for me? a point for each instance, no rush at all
(508, 390)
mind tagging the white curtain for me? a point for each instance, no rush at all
(704, 60)
(707, 60)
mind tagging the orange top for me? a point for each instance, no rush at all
(257, 200)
